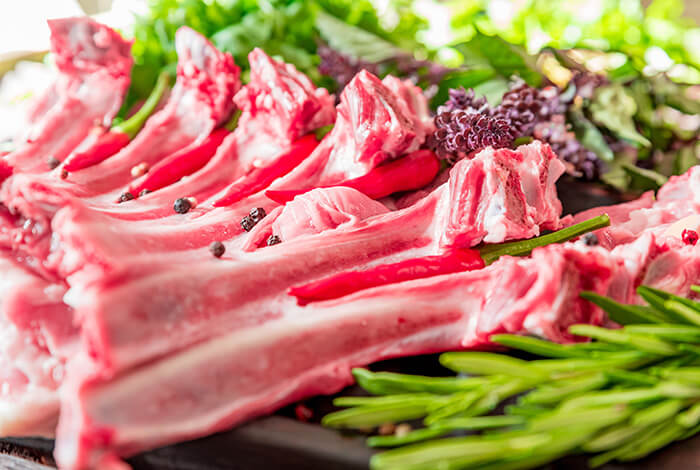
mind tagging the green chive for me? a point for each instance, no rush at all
(480, 422)
(491, 253)
(386, 383)
(538, 346)
(644, 343)
(410, 438)
(622, 313)
(657, 413)
(482, 363)
(691, 417)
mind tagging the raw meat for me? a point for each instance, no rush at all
(289, 352)
(94, 64)
(201, 100)
(76, 227)
(191, 301)
(125, 300)
(36, 337)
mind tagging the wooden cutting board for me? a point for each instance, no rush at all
(282, 442)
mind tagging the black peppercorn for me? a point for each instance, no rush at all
(53, 162)
(127, 196)
(144, 192)
(182, 206)
(217, 249)
(590, 239)
(257, 214)
(247, 223)
(273, 240)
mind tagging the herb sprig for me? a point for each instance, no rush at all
(621, 397)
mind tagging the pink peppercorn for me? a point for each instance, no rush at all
(690, 237)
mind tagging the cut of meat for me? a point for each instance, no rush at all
(229, 376)
(108, 283)
(167, 296)
(78, 227)
(256, 326)
(308, 357)
(120, 334)
(94, 64)
(36, 336)
(677, 199)
(201, 100)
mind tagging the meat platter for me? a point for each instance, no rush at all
(229, 250)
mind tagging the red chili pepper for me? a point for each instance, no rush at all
(182, 163)
(106, 145)
(342, 284)
(5, 170)
(260, 178)
(414, 171)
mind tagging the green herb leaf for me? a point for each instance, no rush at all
(354, 41)
(613, 108)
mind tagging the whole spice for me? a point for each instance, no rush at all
(217, 249)
(386, 429)
(247, 223)
(274, 240)
(139, 170)
(690, 237)
(591, 239)
(53, 162)
(257, 214)
(144, 192)
(182, 206)
(303, 413)
(126, 197)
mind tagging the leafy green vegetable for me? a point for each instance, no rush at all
(613, 108)
(645, 110)
(289, 29)
(504, 58)
(621, 403)
(353, 40)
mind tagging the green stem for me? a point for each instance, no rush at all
(133, 125)
(491, 253)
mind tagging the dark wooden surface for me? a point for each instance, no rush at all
(284, 443)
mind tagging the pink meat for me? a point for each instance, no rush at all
(78, 228)
(308, 356)
(127, 412)
(678, 198)
(200, 313)
(201, 100)
(190, 311)
(36, 337)
(94, 64)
